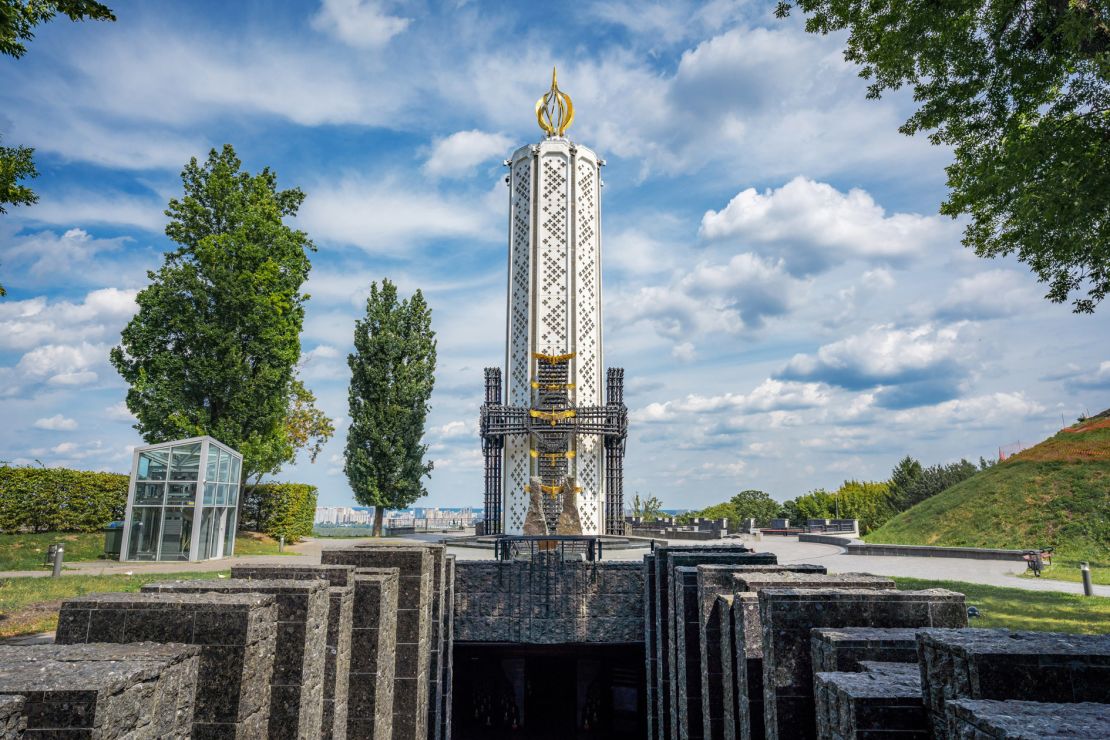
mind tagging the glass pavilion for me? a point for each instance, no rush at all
(182, 501)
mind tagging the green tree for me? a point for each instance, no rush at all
(648, 508)
(753, 504)
(905, 474)
(1021, 92)
(15, 165)
(935, 479)
(392, 376)
(867, 501)
(213, 347)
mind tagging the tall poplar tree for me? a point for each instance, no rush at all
(215, 343)
(392, 375)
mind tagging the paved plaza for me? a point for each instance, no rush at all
(788, 550)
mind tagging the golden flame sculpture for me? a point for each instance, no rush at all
(554, 111)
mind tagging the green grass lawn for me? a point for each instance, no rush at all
(27, 551)
(1015, 608)
(29, 605)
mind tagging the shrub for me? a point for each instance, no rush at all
(280, 509)
(869, 502)
(59, 499)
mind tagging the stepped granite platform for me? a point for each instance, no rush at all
(337, 657)
(788, 616)
(297, 683)
(135, 691)
(1000, 664)
(746, 679)
(236, 632)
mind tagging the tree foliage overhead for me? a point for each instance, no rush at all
(18, 19)
(214, 345)
(392, 376)
(1021, 92)
(16, 165)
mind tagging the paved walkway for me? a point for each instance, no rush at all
(789, 550)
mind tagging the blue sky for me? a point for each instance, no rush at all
(789, 307)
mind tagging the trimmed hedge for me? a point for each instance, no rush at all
(59, 499)
(279, 509)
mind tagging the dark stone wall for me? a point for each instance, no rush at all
(548, 602)
(669, 618)
(12, 721)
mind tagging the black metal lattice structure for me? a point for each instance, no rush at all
(552, 424)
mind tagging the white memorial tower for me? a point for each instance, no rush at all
(558, 428)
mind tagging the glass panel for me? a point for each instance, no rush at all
(234, 470)
(149, 493)
(185, 462)
(209, 494)
(221, 495)
(213, 462)
(177, 532)
(232, 495)
(210, 533)
(229, 534)
(181, 494)
(225, 466)
(152, 464)
(143, 544)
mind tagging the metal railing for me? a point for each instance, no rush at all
(565, 548)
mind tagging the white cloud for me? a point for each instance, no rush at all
(30, 322)
(57, 423)
(811, 225)
(990, 410)
(359, 23)
(64, 365)
(386, 217)
(769, 396)
(711, 298)
(990, 294)
(119, 412)
(883, 354)
(460, 153)
(86, 207)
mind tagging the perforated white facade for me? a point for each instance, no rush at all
(554, 308)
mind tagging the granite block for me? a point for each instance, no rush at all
(373, 654)
(297, 678)
(712, 582)
(661, 649)
(99, 691)
(236, 632)
(841, 650)
(884, 700)
(987, 719)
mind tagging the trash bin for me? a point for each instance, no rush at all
(113, 540)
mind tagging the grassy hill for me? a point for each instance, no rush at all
(1055, 494)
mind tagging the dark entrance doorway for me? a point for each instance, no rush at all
(514, 691)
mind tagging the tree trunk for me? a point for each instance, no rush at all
(378, 512)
